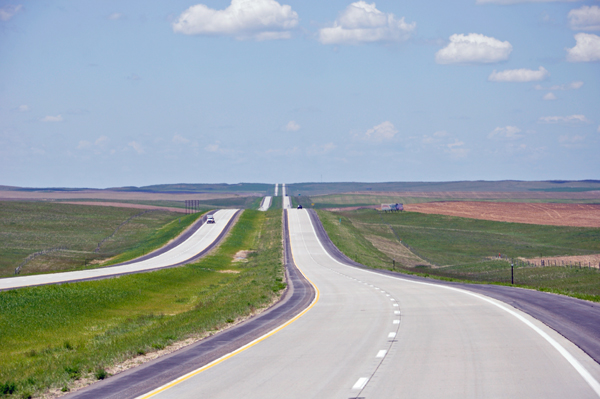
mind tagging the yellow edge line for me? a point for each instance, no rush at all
(243, 348)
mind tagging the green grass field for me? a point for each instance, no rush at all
(27, 228)
(356, 200)
(53, 335)
(461, 248)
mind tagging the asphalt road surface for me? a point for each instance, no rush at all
(189, 249)
(265, 204)
(287, 202)
(276, 189)
(370, 335)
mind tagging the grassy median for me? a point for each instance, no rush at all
(54, 335)
(466, 249)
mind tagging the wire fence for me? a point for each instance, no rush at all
(36, 254)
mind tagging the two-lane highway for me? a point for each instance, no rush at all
(374, 336)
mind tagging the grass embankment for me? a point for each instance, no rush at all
(157, 239)
(277, 203)
(462, 249)
(72, 234)
(53, 335)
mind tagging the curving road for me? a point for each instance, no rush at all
(201, 240)
(370, 335)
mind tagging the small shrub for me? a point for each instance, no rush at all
(229, 320)
(26, 395)
(31, 353)
(158, 346)
(67, 345)
(65, 388)
(101, 373)
(141, 352)
(73, 371)
(8, 388)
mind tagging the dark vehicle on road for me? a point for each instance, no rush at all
(299, 206)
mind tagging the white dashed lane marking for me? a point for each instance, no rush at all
(360, 384)
(392, 335)
(381, 353)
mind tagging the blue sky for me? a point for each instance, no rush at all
(112, 93)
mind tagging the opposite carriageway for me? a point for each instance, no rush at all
(200, 238)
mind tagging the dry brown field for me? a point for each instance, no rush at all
(580, 215)
(573, 260)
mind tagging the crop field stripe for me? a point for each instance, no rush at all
(564, 353)
(243, 348)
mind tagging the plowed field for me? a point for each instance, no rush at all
(581, 215)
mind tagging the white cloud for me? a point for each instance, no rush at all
(598, 129)
(179, 139)
(83, 144)
(520, 1)
(361, 22)
(571, 86)
(438, 137)
(23, 108)
(585, 18)
(136, 146)
(564, 119)
(587, 48)
(243, 19)
(101, 140)
(50, 118)
(213, 147)
(7, 12)
(382, 132)
(519, 75)
(292, 126)
(571, 141)
(456, 149)
(320, 149)
(473, 47)
(115, 16)
(507, 132)
(549, 96)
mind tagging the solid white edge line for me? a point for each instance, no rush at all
(592, 382)
(360, 384)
